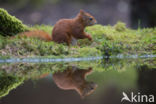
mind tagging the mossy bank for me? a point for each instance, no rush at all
(107, 40)
(10, 25)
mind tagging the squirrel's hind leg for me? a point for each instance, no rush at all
(73, 41)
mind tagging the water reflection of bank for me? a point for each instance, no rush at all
(113, 75)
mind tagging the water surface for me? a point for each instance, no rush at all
(92, 80)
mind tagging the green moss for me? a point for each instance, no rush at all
(7, 83)
(88, 51)
(120, 26)
(106, 41)
(2, 41)
(10, 25)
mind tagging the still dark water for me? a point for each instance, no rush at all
(87, 81)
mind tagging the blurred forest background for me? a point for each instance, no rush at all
(134, 13)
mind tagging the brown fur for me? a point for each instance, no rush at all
(66, 30)
(73, 78)
(37, 34)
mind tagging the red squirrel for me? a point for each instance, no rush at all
(66, 30)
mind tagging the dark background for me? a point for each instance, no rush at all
(135, 13)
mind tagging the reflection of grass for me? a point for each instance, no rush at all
(107, 40)
(115, 70)
(7, 83)
(124, 79)
(13, 75)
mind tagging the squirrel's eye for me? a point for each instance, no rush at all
(91, 88)
(90, 19)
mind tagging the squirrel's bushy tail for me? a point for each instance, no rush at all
(42, 35)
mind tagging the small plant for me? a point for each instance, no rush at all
(109, 49)
(120, 26)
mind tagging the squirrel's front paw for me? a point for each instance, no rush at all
(89, 37)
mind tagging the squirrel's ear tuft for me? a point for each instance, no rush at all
(82, 11)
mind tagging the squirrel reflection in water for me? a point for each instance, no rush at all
(73, 78)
